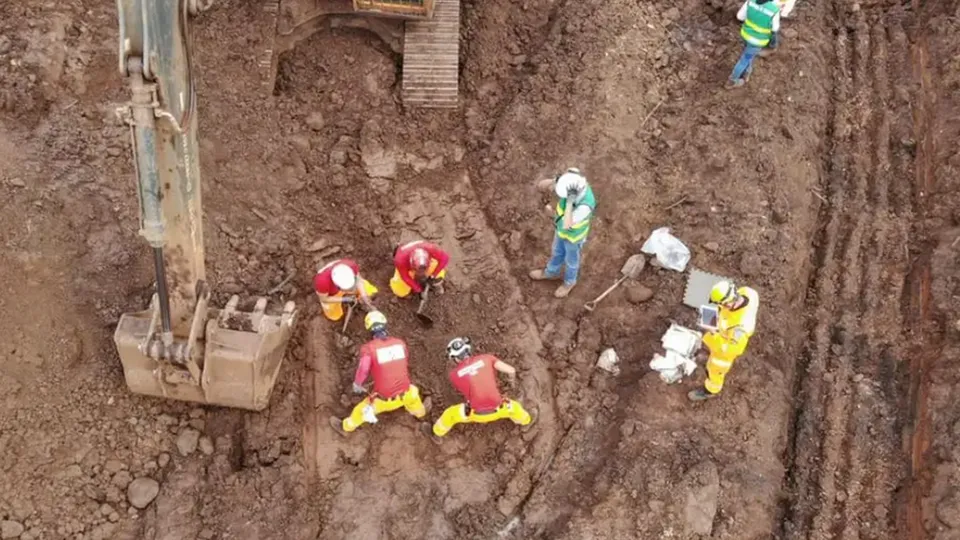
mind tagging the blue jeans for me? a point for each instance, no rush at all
(565, 253)
(745, 63)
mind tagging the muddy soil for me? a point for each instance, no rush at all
(828, 184)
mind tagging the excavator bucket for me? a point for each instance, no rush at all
(234, 363)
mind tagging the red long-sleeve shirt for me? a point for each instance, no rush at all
(401, 260)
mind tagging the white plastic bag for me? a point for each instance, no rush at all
(609, 361)
(671, 253)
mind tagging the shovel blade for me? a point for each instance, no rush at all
(425, 320)
(634, 265)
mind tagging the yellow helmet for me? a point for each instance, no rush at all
(722, 292)
(373, 320)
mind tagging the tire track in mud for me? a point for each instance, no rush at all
(846, 457)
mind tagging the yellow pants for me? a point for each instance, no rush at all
(458, 415)
(410, 400)
(334, 310)
(402, 290)
(720, 361)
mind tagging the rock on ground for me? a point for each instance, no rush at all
(702, 485)
(638, 294)
(142, 491)
(10, 529)
(948, 510)
(187, 441)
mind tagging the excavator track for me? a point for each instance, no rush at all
(431, 58)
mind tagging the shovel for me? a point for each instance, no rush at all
(422, 317)
(631, 269)
(346, 320)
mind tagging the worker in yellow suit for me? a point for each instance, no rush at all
(737, 321)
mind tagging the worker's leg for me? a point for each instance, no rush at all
(572, 252)
(717, 369)
(745, 63)
(517, 413)
(356, 418)
(412, 402)
(333, 310)
(454, 415)
(557, 257)
(399, 288)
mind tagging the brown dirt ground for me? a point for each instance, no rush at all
(829, 183)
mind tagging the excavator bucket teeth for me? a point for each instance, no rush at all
(431, 58)
(239, 357)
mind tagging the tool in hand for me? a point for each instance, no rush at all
(422, 317)
(631, 269)
(346, 320)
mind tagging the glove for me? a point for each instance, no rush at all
(357, 389)
(349, 300)
(435, 281)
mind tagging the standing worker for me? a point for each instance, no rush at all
(475, 378)
(761, 23)
(386, 358)
(417, 264)
(735, 325)
(339, 282)
(572, 216)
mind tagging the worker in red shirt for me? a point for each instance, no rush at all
(386, 358)
(338, 283)
(417, 264)
(475, 377)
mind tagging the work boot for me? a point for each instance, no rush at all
(534, 414)
(541, 275)
(563, 291)
(700, 394)
(731, 84)
(337, 426)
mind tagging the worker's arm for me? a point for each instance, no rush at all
(329, 299)
(504, 367)
(362, 291)
(402, 264)
(363, 370)
(441, 256)
(776, 23)
(742, 14)
(568, 213)
(787, 8)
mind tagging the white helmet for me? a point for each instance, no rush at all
(343, 277)
(573, 178)
(459, 348)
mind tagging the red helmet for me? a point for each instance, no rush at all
(419, 259)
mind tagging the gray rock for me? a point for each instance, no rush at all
(206, 445)
(122, 479)
(315, 121)
(948, 510)
(10, 529)
(187, 441)
(712, 247)
(142, 491)
(113, 466)
(163, 459)
(638, 294)
(703, 491)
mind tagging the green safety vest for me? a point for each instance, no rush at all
(579, 231)
(758, 25)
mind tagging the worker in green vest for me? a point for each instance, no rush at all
(571, 217)
(761, 24)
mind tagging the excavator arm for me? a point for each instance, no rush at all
(180, 347)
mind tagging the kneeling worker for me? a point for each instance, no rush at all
(475, 378)
(417, 264)
(386, 358)
(735, 325)
(339, 282)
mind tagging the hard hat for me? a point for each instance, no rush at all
(459, 348)
(723, 292)
(419, 258)
(343, 277)
(573, 178)
(374, 321)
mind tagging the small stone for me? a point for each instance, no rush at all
(751, 264)
(187, 441)
(17, 182)
(315, 121)
(197, 424)
(196, 413)
(163, 459)
(106, 509)
(10, 529)
(841, 496)
(206, 445)
(114, 517)
(638, 294)
(142, 491)
(317, 246)
(166, 420)
(858, 377)
(206, 534)
(711, 247)
(789, 33)
(476, 298)
(113, 466)
(122, 479)
(73, 471)
(948, 510)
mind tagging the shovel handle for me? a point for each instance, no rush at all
(589, 306)
(346, 320)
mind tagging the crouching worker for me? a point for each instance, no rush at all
(386, 358)
(475, 378)
(418, 264)
(338, 283)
